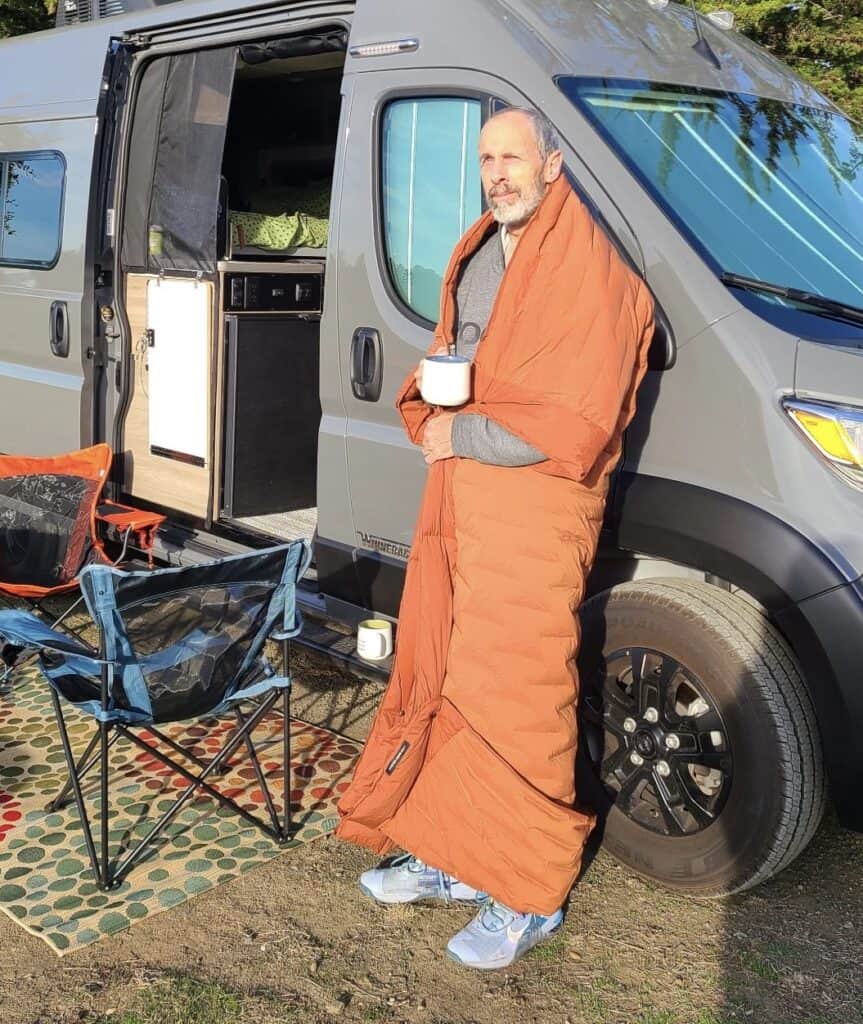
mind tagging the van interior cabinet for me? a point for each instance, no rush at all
(272, 414)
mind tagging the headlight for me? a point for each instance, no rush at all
(835, 430)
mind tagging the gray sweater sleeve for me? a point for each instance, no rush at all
(477, 437)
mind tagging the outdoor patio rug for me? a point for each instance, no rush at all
(46, 883)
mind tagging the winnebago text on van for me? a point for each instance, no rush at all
(222, 233)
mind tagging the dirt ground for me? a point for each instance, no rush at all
(296, 941)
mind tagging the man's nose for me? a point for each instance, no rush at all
(498, 172)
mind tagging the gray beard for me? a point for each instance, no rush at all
(520, 211)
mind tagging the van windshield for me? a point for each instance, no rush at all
(766, 190)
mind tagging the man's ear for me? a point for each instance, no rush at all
(553, 167)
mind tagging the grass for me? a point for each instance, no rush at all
(593, 996)
(669, 1017)
(376, 1013)
(182, 1000)
(549, 952)
(759, 964)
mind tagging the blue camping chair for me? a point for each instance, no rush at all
(175, 644)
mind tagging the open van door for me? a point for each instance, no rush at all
(169, 405)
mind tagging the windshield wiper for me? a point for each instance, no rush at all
(820, 302)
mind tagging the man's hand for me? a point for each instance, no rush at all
(441, 350)
(437, 438)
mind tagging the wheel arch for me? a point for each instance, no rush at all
(659, 528)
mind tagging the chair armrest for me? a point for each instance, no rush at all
(28, 631)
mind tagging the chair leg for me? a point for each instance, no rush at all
(286, 739)
(196, 782)
(262, 782)
(57, 802)
(101, 879)
(65, 615)
(178, 748)
(105, 747)
(286, 755)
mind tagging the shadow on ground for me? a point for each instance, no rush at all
(296, 941)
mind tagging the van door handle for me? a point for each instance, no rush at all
(367, 364)
(58, 329)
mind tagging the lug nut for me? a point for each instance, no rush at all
(651, 715)
(636, 758)
(629, 725)
(662, 768)
(672, 741)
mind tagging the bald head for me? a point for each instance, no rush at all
(520, 158)
(547, 140)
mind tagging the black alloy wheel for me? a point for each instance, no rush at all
(666, 758)
(699, 746)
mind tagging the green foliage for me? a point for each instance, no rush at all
(19, 16)
(823, 41)
(182, 1000)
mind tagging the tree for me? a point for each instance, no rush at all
(18, 16)
(822, 41)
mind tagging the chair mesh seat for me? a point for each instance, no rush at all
(48, 520)
(191, 646)
(45, 530)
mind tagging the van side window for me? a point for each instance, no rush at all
(431, 191)
(31, 208)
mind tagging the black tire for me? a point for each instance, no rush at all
(768, 795)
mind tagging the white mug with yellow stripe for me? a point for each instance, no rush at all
(374, 639)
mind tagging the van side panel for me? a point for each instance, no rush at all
(53, 74)
(40, 392)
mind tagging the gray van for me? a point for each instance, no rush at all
(222, 233)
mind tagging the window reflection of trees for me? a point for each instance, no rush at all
(15, 171)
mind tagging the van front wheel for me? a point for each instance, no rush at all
(697, 723)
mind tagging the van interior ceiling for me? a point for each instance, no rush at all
(260, 360)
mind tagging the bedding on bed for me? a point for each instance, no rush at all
(271, 227)
(275, 233)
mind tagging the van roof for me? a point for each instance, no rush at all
(58, 72)
(631, 40)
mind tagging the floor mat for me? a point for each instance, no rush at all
(46, 883)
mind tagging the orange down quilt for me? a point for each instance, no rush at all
(469, 764)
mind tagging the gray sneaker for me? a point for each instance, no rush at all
(407, 880)
(498, 936)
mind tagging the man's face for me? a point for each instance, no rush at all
(514, 175)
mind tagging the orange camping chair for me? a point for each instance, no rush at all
(48, 520)
(51, 518)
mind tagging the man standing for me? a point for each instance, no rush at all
(470, 761)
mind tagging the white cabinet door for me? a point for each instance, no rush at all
(178, 315)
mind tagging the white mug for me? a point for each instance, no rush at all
(446, 380)
(374, 639)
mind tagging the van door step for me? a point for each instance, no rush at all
(179, 545)
(183, 546)
(340, 648)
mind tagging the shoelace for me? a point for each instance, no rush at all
(494, 916)
(416, 866)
